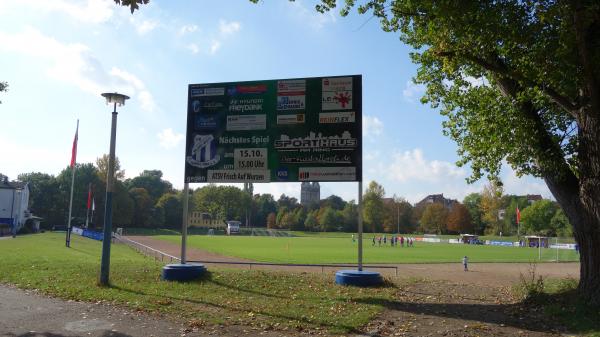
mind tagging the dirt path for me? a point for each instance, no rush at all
(492, 274)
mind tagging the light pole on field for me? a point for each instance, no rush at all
(115, 99)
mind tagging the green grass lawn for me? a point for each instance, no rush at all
(256, 298)
(342, 250)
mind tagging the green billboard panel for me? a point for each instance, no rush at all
(287, 130)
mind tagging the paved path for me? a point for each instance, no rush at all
(494, 274)
(27, 314)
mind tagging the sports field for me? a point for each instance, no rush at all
(342, 250)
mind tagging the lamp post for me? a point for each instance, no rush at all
(115, 99)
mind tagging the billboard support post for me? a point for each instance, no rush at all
(183, 271)
(360, 227)
(184, 225)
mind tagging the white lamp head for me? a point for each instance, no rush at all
(113, 97)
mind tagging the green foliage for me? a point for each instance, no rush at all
(491, 204)
(330, 219)
(373, 208)
(152, 182)
(172, 208)
(334, 202)
(263, 205)
(473, 204)
(132, 4)
(560, 224)
(3, 87)
(536, 219)
(142, 206)
(434, 219)
(222, 202)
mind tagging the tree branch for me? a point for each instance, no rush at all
(582, 35)
(498, 67)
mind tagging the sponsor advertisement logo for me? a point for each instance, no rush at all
(243, 105)
(337, 117)
(291, 102)
(316, 159)
(291, 87)
(290, 119)
(327, 173)
(199, 106)
(337, 84)
(282, 173)
(247, 89)
(201, 92)
(204, 152)
(228, 176)
(337, 100)
(205, 123)
(246, 122)
(345, 142)
(257, 140)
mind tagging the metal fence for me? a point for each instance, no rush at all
(161, 256)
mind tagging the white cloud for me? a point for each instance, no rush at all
(523, 185)
(214, 46)
(311, 17)
(412, 92)
(193, 48)
(75, 63)
(228, 28)
(144, 26)
(372, 127)
(186, 29)
(169, 139)
(90, 11)
(412, 166)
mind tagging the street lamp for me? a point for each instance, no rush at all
(115, 99)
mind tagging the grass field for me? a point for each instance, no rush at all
(342, 250)
(247, 297)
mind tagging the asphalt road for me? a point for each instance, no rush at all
(27, 314)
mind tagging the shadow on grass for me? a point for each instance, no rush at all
(207, 277)
(560, 311)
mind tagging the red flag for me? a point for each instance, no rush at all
(518, 215)
(74, 149)
(89, 203)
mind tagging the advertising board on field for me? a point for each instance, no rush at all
(285, 130)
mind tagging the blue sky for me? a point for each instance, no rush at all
(59, 55)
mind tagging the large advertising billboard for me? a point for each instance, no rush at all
(287, 130)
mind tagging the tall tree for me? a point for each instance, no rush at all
(536, 218)
(102, 166)
(434, 218)
(350, 217)
(45, 198)
(518, 81)
(151, 181)
(142, 206)
(172, 209)
(491, 203)
(264, 204)
(459, 220)
(373, 209)
(473, 203)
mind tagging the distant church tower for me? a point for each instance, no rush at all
(310, 193)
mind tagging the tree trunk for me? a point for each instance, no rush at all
(580, 199)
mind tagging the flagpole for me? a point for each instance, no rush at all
(87, 212)
(73, 166)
